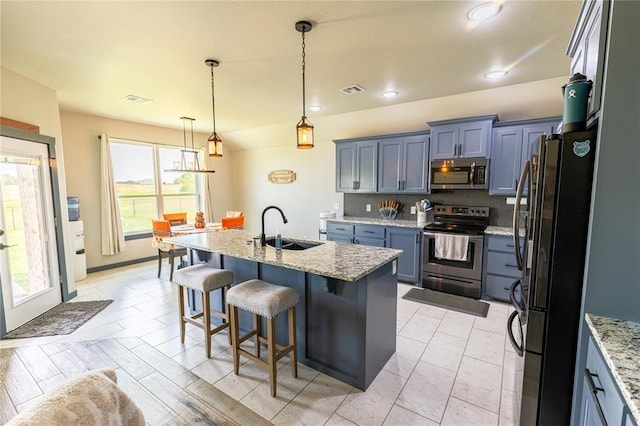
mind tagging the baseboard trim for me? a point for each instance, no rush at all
(119, 264)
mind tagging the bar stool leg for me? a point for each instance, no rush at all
(271, 348)
(206, 310)
(181, 312)
(226, 307)
(292, 341)
(256, 339)
(235, 336)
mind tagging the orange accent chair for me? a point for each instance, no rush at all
(176, 218)
(234, 220)
(162, 229)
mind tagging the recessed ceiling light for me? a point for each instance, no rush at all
(315, 108)
(495, 74)
(389, 94)
(484, 11)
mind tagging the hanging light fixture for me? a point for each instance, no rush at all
(184, 165)
(214, 143)
(304, 127)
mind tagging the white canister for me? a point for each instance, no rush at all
(422, 218)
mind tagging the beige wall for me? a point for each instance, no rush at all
(241, 181)
(314, 189)
(29, 101)
(82, 147)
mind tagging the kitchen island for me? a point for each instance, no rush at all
(346, 318)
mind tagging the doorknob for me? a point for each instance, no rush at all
(2, 246)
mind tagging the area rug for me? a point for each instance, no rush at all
(64, 318)
(448, 301)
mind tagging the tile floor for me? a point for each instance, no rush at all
(449, 368)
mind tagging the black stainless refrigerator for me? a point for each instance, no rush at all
(553, 221)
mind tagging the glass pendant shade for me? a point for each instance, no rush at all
(214, 145)
(305, 134)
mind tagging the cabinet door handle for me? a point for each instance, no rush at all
(460, 150)
(592, 384)
(353, 185)
(404, 184)
(455, 150)
(399, 184)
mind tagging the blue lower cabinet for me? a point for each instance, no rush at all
(499, 269)
(410, 242)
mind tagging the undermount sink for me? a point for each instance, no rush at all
(288, 244)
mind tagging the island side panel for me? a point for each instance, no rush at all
(381, 319)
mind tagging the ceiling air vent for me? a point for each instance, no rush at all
(139, 100)
(355, 88)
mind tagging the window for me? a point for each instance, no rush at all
(145, 191)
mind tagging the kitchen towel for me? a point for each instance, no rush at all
(451, 247)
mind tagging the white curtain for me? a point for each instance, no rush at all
(112, 235)
(208, 197)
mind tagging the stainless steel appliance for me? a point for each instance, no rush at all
(460, 173)
(544, 326)
(457, 276)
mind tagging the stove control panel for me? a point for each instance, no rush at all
(461, 211)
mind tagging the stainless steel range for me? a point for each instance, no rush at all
(452, 250)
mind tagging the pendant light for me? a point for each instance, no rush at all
(214, 143)
(186, 166)
(304, 127)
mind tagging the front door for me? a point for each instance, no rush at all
(29, 271)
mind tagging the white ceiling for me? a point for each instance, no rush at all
(96, 52)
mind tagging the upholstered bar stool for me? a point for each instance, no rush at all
(204, 279)
(267, 300)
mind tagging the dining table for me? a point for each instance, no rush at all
(188, 228)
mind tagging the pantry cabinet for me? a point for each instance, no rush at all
(463, 137)
(514, 143)
(403, 164)
(587, 48)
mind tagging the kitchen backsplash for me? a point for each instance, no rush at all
(500, 214)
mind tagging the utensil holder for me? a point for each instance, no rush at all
(422, 218)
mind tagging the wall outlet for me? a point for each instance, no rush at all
(413, 209)
(336, 206)
(368, 207)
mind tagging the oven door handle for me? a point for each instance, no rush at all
(517, 347)
(516, 214)
(472, 238)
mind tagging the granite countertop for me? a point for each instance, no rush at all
(378, 221)
(506, 231)
(619, 342)
(347, 262)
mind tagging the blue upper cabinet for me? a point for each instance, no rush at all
(587, 51)
(403, 164)
(357, 166)
(513, 144)
(463, 137)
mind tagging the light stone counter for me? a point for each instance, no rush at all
(348, 262)
(505, 231)
(619, 342)
(378, 221)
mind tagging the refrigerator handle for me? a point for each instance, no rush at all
(516, 214)
(512, 297)
(517, 347)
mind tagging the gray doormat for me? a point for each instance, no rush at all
(448, 301)
(62, 319)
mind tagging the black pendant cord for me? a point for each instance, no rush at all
(303, 72)
(213, 101)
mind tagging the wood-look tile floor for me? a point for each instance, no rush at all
(449, 368)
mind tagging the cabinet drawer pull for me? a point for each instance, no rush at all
(592, 384)
(369, 232)
(510, 245)
(511, 266)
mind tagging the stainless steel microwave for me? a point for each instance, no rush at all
(460, 173)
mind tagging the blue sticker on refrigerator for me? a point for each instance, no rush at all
(581, 148)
